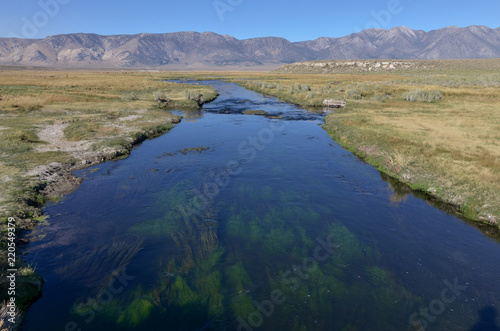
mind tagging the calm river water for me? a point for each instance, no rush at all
(245, 222)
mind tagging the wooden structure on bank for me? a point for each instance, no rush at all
(334, 103)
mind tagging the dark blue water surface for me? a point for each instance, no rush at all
(244, 222)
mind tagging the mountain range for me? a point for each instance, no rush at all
(211, 50)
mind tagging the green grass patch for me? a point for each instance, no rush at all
(81, 131)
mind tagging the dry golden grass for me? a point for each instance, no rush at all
(82, 90)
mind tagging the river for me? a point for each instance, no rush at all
(233, 221)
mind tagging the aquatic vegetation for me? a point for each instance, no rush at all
(242, 305)
(299, 326)
(267, 193)
(181, 294)
(340, 282)
(186, 151)
(190, 297)
(385, 291)
(193, 296)
(168, 202)
(214, 258)
(159, 227)
(237, 278)
(199, 243)
(236, 227)
(278, 241)
(209, 290)
(193, 288)
(280, 231)
(135, 313)
(249, 193)
(255, 112)
(130, 310)
(101, 264)
(290, 196)
(255, 231)
(196, 285)
(306, 240)
(348, 247)
(272, 232)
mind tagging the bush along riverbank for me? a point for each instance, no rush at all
(41, 146)
(436, 131)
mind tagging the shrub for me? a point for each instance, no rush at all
(161, 98)
(190, 94)
(422, 95)
(160, 95)
(380, 97)
(132, 96)
(355, 94)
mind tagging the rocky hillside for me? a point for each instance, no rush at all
(199, 50)
(367, 66)
(353, 67)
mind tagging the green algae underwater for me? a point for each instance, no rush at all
(209, 280)
(240, 222)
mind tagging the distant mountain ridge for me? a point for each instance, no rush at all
(208, 49)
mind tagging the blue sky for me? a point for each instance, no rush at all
(293, 20)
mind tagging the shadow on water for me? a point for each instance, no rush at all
(401, 192)
(192, 115)
(487, 320)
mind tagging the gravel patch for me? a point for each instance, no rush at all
(54, 136)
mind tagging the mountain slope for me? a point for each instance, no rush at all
(212, 50)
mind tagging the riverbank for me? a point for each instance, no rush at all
(435, 129)
(54, 123)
